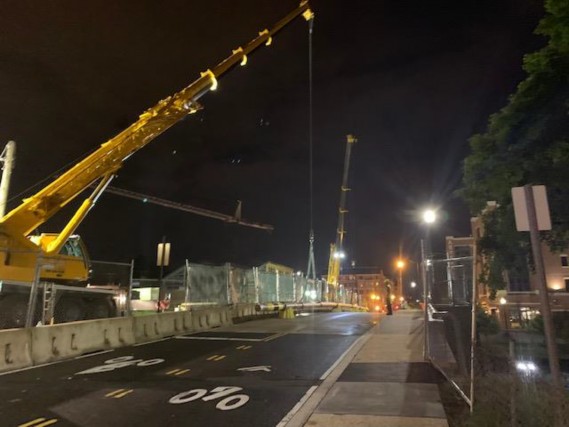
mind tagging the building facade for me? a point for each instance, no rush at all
(370, 288)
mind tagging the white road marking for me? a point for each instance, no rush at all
(93, 354)
(265, 368)
(331, 368)
(230, 401)
(217, 338)
(54, 363)
(151, 342)
(274, 337)
(296, 407)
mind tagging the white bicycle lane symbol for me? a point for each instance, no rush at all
(230, 400)
(120, 362)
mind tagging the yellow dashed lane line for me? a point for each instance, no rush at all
(39, 422)
(117, 394)
(216, 358)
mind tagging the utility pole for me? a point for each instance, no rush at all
(7, 159)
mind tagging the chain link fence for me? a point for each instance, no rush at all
(502, 375)
(225, 284)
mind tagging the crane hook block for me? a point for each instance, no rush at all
(244, 58)
(212, 78)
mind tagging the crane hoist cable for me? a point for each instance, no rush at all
(311, 269)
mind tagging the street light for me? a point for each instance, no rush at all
(400, 264)
(429, 217)
(339, 255)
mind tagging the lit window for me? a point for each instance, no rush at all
(564, 261)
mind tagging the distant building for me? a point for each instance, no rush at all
(369, 286)
(272, 267)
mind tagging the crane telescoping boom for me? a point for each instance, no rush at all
(105, 162)
(337, 248)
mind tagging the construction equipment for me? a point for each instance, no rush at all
(231, 219)
(27, 259)
(337, 253)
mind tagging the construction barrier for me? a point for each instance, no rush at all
(15, 349)
(20, 348)
(62, 341)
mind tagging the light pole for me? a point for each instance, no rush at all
(400, 264)
(429, 216)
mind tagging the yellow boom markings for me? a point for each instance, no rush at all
(39, 422)
(244, 347)
(216, 357)
(121, 392)
(177, 371)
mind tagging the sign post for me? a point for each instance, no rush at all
(162, 260)
(532, 214)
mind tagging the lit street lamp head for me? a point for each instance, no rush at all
(429, 216)
(400, 264)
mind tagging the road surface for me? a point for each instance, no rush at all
(250, 374)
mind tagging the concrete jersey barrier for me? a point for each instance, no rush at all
(20, 348)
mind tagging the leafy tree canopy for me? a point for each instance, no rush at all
(526, 142)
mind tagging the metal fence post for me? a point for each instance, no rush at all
(129, 295)
(228, 266)
(425, 303)
(277, 283)
(473, 327)
(256, 280)
(187, 283)
(33, 293)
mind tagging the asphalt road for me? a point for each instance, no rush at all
(195, 379)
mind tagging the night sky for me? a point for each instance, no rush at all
(413, 80)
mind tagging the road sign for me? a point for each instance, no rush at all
(541, 208)
(163, 254)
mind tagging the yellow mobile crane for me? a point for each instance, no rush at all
(62, 257)
(336, 249)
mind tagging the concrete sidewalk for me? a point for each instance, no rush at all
(386, 383)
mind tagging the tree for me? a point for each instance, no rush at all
(526, 142)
